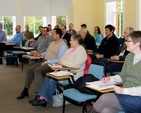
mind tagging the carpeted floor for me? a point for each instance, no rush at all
(11, 85)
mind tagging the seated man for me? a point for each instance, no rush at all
(109, 45)
(88, 40)
(40, 33)
(3, 39)
(28, 35)
(65, 35)
(55, 51)
(43, 41)
(71, 30)
(18, 37)
(116, 67)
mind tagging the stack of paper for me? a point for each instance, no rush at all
(61, 73)
(55, 65)
(101, 86)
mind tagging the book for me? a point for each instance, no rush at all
(101, 86)
(32, 57)
(61, 73)
(55, 65)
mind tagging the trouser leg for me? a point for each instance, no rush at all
(39, 74)
(30, 74)
(107, 100)
(48, 88)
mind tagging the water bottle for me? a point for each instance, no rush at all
(21, 44)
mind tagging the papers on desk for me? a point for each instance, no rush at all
(55, 65)
(101, 86)
(61, 73)
(32, 57)
(27, 47)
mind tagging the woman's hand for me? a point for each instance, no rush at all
(60, 63)
(37, 55)
(105, 79)
(118, 90)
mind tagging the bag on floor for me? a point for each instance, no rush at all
(10, 60)
(58, 97)
(81, 82)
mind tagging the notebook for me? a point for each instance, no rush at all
(61, 73)
(101, 86)
(55, 65)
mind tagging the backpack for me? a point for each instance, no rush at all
(81, 82)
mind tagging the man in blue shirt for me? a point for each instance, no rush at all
(2, 39)
(53, 54)
(18, 37)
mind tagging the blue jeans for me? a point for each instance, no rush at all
(130, 104)
(48, 88)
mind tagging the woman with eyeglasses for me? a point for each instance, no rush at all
(97, 35)
(126, 98)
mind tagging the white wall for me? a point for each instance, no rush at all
(47, 8)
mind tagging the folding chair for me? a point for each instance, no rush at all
(75, 97)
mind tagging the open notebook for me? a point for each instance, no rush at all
(61, 73)
(55, 65)
(101, 86)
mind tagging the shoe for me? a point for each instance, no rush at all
(35, 99)
(22, 95)
(1, 62)
(39, 103)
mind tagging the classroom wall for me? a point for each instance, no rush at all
(92, 13)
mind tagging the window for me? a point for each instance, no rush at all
(59, 20)
(7, 23)
(114, 15)
(34, 23)
(139, 15)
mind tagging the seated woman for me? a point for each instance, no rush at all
(74, 57)
(128, 97)
(97, 35)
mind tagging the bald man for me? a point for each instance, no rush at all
(18, 37)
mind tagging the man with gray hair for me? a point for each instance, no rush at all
(88, 40)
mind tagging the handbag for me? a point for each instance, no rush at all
(58, 97)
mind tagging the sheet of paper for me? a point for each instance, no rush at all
(61, 73)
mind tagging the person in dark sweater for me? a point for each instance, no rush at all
(120, 56)
(88, 40)
(109, 45)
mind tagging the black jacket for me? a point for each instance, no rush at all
(67, 37)
(109, 46)
(89, 42)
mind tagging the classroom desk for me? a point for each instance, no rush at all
(115, 61)
(63, 68)
(101, 91)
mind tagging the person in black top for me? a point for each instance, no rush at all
(88, 40)
(40, 29)
(109, 45)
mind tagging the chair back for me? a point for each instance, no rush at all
(26, 44)
(97, 69)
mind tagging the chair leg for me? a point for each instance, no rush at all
(84, 108)
(63, 105)
(22, 63)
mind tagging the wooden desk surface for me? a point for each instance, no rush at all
(32, 58)
(58, 77)
(63, 68)
(102, 91)
(115, 61)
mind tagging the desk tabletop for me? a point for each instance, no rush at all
(115, 61)
(63, 68)
(58, 77)
(101, 91)
(32, 58)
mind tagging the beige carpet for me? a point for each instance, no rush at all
(11, 85)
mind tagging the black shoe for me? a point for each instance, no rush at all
(23, 94)
(39, 103)
(35, 99)
(1, 62)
